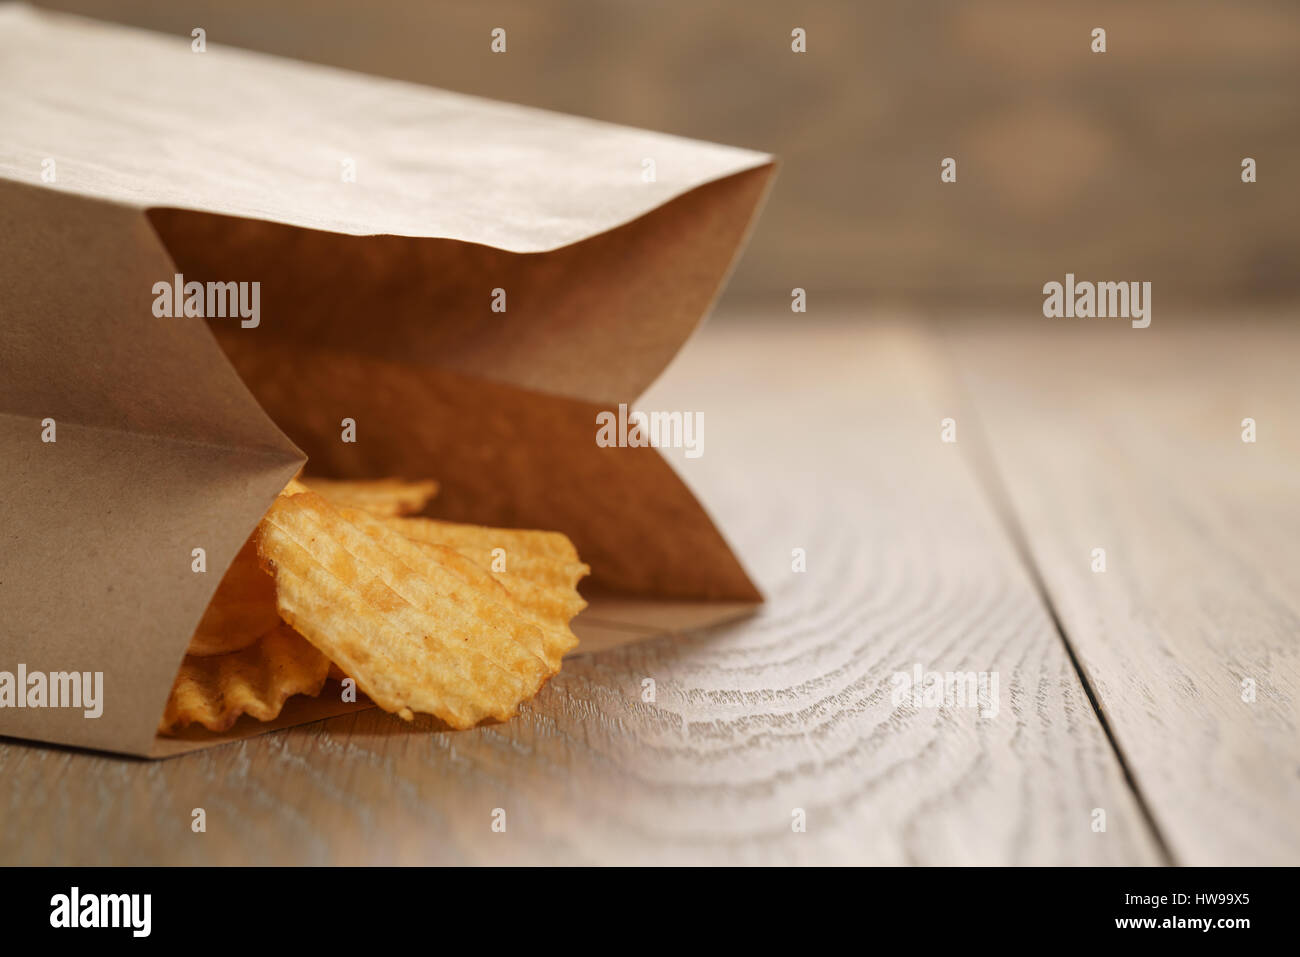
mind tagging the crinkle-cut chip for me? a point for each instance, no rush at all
(416, 626)
(386, 496)
(547, 558)
(537, 544)
(256, 681)
(540, 570)
(241, 610)
(550, 607)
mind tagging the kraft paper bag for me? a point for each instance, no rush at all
(470, 283)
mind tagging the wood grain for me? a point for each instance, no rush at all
(819, 436)
(1131, 440)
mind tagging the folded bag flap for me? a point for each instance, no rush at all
(135, 465)
(470, 282)
(608, 242)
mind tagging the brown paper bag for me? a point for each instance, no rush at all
(385, 225)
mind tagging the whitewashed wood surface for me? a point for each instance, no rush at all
(821, 435)
(1131, 440)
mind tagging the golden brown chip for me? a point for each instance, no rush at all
(540, 570)
(215, 691)
(241, 610)
(419, 627)
(378, 496)
(553, 545)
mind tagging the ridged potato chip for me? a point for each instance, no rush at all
(241, 610)
(377, 496)
(541, 570)
(522, 582)
(215, 691)
(243, 607)
(545, 557)
(420, 627)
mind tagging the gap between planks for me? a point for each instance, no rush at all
(980, 455)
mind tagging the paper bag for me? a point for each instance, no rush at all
(469, 283)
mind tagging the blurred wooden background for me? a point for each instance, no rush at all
(1118, 166)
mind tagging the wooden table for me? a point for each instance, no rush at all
(1119, 691)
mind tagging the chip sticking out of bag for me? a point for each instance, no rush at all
(378, 496)
(460, 621)
(241, 611)
(420, 627)
(214, 691)
(243, 607)
(541, 571)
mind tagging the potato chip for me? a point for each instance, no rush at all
(420, 627)
(241, 610)
(544, 557)
(243, 607)
(215, 691)
(540, 569)
(377, 496)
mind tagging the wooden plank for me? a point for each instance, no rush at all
(1131, 440)
(818, 436)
